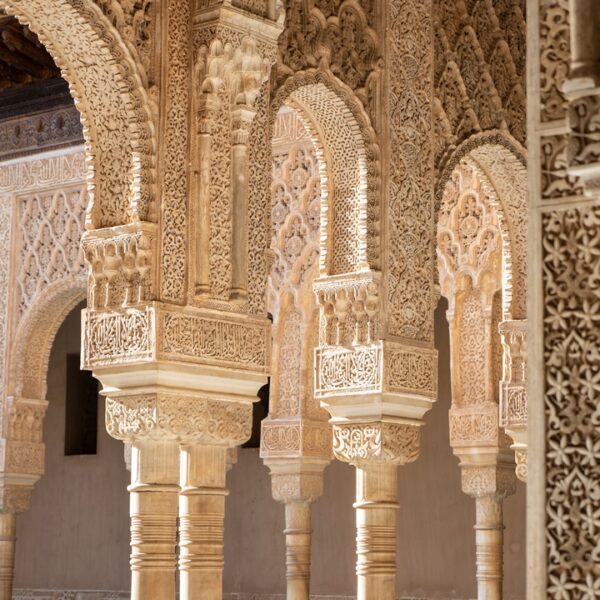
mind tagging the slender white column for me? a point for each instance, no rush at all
(489, 536)
(153, 509)
(202, 521)
(297, 542)
(376, 506)
(8, 541)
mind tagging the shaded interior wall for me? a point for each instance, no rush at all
(76, 534)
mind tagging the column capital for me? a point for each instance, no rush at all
(488, 480)
(298, 480)
(359, 443)
(177, 417)
(15, 497)
(294, 438)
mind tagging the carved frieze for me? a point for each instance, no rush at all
(65, 169)
(242, 344)
(118, 337)
(40, 132)
(382, 368)
(159, 332)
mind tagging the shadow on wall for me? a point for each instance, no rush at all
(76, 534)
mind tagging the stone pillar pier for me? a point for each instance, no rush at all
(376, 450)
(181, 415)
(489, 485)
(376, 509)
(153, 509)
(202, 521)
(14, 499)
(8, 543)
(179, 462)
(297, 482)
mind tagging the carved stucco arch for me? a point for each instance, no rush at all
(500, 162)
(108, 91)
(348, 158)
(35, 335)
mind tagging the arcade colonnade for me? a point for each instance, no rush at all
(413, 120)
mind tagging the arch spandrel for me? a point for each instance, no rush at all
(115, 111)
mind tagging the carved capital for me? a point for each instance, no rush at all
(234, 67)
(23, 419)
(488, 480)
(295, 438)
(15, 498)
(349, 307)
(389, 442)
(296, 483)
(163, 416)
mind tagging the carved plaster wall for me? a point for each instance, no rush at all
(107, 83)
(44, 200)
(564, 361)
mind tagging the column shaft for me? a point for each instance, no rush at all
(239, 263)
(297, 540)
(376, 506)
(7, 553)
(489, 535)
(202, 521)
(153, 509)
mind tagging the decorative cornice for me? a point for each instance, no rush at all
(49, 130)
